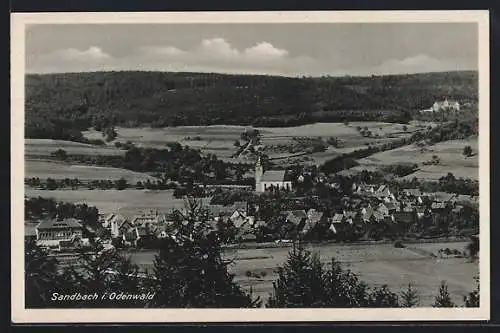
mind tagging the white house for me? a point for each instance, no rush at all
(446, 105)
(270, 178)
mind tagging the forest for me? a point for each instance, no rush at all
(60, 106)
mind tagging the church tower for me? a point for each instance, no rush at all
(259, 171)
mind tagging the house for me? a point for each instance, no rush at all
(297, 218)
(338, 218)
(336, 223)
(383, 191)
(119, 226)
(265, 180)
(111, 218)
(377, 216)
(130, 236)
(365, 189)
(350, 216)
(366, 213)
(151, 218)
(411, 192)
(313, 218)
(238, 218)
(446, 105)
(220, 211)
(51, 231)
(383, 209)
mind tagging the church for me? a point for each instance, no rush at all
(270, 179)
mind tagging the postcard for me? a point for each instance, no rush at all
(250, 166)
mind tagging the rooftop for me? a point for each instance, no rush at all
(59, 224)
(274, 176)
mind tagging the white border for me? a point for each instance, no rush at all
(21, 315)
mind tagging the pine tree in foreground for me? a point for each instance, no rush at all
(443, 299)
(343, 289)
(383, 297)
(409, 297)
(472, 300)
(300, 281)
(304, 282)
(189, 271)
(41, 276)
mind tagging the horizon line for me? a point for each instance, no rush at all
(250, 74)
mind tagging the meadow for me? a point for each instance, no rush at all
(377, 265)
(127, 202)
(45, 147)
(450, 154)
(44, 169)
(219, 139)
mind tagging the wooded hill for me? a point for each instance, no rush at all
(61, 105)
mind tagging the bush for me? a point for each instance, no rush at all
(398, 244)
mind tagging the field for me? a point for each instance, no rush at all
(44, 169)
(220, 139)
(44, 147)
(126, 202)
(375, 264)
(449, 153)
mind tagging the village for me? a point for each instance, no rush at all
(366, 212)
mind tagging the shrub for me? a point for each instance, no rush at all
(398, 244)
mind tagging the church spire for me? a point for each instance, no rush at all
(259, 171)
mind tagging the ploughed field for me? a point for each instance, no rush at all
(375, 264)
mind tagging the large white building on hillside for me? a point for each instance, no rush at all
(265, 180)
(446, 105)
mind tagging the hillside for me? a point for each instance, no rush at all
(59, 106)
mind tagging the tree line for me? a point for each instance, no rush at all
(60, 106)
(38, 208)
(173, 163)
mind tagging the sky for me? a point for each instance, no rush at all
(289, 49)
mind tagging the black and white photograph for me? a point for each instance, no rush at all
(234, 165)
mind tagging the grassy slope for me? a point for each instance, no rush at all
(449, 153)
(60, 170)
(44, 147)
